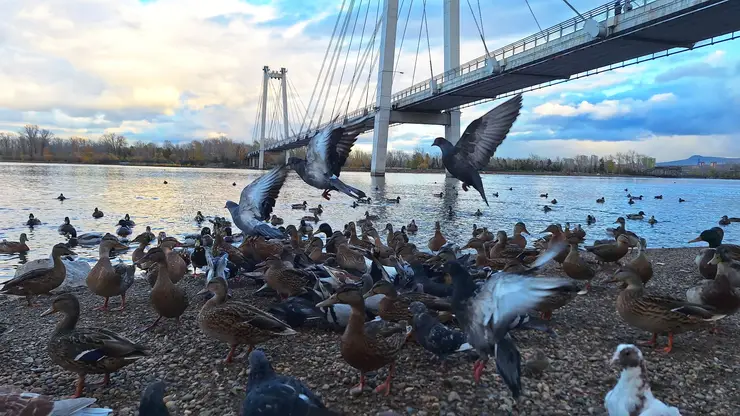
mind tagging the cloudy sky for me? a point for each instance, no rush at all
(178, 70)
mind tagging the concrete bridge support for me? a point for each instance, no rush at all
(385, 86)
(452, 60)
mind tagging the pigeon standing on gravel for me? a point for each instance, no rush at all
(632, 394)
(325, 155)
(434, 336)
(270, 394)
(152, 400)
(478, 143)
(256, 203)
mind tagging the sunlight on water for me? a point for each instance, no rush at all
(140, 192)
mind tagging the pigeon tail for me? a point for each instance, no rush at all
(346, 189)
(508, 365)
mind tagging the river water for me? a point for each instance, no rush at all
(141, 192)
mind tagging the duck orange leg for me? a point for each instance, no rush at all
(152, 325)
(123, 303)
(653, 341)
(480, 365)
(230, 357)
(80, 386)
(104, 307)
(361, 385)
(387, 385)
(670, 343)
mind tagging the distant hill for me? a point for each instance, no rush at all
(695, 159)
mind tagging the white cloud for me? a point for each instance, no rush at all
(603, 110)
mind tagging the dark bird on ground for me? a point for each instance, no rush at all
(326, 153)
(152, 400)
(478, 143)
(271, 394)
(256, 203)
(434, 336)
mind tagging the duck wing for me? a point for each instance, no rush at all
(481, 138)
(258, 198)
(25, 277)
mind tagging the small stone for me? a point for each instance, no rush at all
(453, 397)
(188, 397)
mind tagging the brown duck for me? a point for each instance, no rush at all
(394, 307)
(167, 299)
(577, 268)
(713, 237)
(285, 281)
(658, 314)
(518, 238)
(368, 346)
(641, 264)
(557, 239)
(438, 240)
(612, 252)
(107, 280)
(41, 280)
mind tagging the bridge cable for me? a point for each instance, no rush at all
(358, 70)
(372, 65)
(480, 30)
(403, 36)
(418, 44)
(369, 53)
(533, 16)
(255, 129)
(298, 96)
(574, 10)
(318, 77)
(346, 58)
(429, 46)
(334, 64)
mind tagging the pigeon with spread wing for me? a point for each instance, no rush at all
(256, 203)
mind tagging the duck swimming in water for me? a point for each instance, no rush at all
(97, 213)
(32, 221)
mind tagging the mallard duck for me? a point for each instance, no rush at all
(124, 231)
(726, 266)
(198, 257)
(138, 253)
(151, 235)
(652, 220)
(313, 217)
(725, 220)
(557, 241)
(438, 240)
(544, 195)
(235, 322)
(450, 211)
(641, 265)
(318, 210)
(126, 222)
(32, 221)
(274, 394)
(275, 220)
(285, 281)
(299, 206)
(681, 200)
(518, 238)
(658, 314)
(368, 346)
(412, 227)
(713, 237)
(546, 208)
(9, 247)
(718, 294)
(61, 197)
(305, 229)
(199, 217)
(554, 201)
(439, 195)
(97, 213)
(167, 299)
(396, 200)
(106, 279)
(590, 219)
(576, 268)
(640, 215)
(612, 252)
(40, 280)
(632, 394)
(478, 213)
(394, 307)
(600, 200)
(66, 228)
(87, 350)
(347, 257)
(371, 217)
(356, 241)
(175, 263)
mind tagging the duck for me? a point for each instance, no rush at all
(486, 318)
(590, 219)
(234, 322)
(138, 253)
(165, 182)
(347, 258)
(632, 394)
(61, 197)
(658, 197)
(726, 266)
(66, 228)
(167, 299)
(199, 218)
(394, 307)
(631, 201)
(478, 213)
(91, 239)
(40, 280)
(285, 281)
(577, 268)
(517, 238)
(658, 314)
(450, 211)
(318, 210)
(371, 217)
(622, 229)
(299, 206)
(32, 221)
(611, 252)
(546, 208)
(652, 220)
(10, 247)
(269, 393)
(314, 217)
(355, 204)
(434, 336)
(151, 235)
(600, 200)
(412, 227)
(557, 242)
(87, 350)
(126, 222)
(198, 257)
(275, 220)
(554, 201)
(641, 265)
(438, 195)
(725, 220)
(713, 237)
(107, 280)
(368, 346)
(396, 200)
(124, 231)
(97, 213)
(718, 294)
(438, 240)
(640, 215)
(544, 195)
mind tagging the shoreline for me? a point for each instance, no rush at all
(700, 376)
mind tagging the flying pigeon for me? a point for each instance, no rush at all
(256, 202)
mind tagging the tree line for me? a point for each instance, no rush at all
(33, 144)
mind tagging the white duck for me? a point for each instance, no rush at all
(632, 395)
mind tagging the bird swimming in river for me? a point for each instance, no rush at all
(478, 143)
(256, 203)
(325, 155)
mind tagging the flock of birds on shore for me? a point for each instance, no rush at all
(383, 292)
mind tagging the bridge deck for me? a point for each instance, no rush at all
(572, 47)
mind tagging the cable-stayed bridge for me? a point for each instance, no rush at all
(614, 35)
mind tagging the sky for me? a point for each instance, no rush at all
(178, 70)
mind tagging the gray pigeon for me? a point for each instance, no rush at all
(256, 203)
(478, 143)
(325, 155)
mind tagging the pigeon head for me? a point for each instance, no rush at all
(231, 205)
(627, 356)
(260, 368)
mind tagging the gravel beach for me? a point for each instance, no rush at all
(701, 376)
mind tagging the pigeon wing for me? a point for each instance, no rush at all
(483, 136)
(258, 198)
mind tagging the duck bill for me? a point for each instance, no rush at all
(525, 231)
(715, 260)
(328, 302)
(48, 311)
(368, 294)
(202, 291)
(696, 240)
